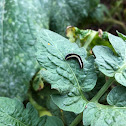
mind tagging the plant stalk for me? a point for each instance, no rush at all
(114, 21)
(77, 120)
(89, 39)
(102, 90)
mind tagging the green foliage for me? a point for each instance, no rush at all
(33, 65)
(82, 36)
(121, 36)
(20, 23)
(67, 77)
(112, 65)
(117, 96)
(44, 99)
(19, 28)
(12, 112)
(105, 115)
(73, 12)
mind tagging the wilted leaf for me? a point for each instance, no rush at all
(38, 83)
(81, 37)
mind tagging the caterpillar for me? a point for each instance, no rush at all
(72, 55)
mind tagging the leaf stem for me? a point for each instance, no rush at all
(102, 90)
(114, 21)
(77, 120)
(89, 39)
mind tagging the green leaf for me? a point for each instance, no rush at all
(65, 76)
(121, 35)
(110, 117)
(69, 103)
(89, 113)
(53, 107)
(67, 117)
(12, 112)
(52, 49)
(52, 121)
(18, 30)
(103, 114)
(112, 65)
(117, 96)
(118, 44)
(106, 60)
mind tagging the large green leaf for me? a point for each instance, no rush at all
(96, 114)
(65, 76)
(12, 112)
(111, 64)
(19, 25)
(117, 96)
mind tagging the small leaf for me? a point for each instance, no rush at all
(121, 35)
(117, 96)
(118, 44)
(111, 64)
(69, 103)
(106, 60)
(12, 112)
